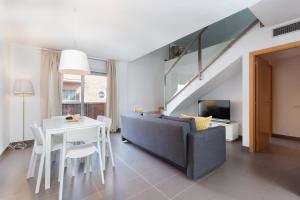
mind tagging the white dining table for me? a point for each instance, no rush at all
(58, 126)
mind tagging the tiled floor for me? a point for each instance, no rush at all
(140, 176)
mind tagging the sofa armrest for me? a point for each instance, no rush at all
(206, 151)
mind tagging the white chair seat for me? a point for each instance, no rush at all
(82, 150)
(39, 148)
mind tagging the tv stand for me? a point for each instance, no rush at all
(231, 128)
(226, 121)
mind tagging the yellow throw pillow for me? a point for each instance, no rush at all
(185, 116)
(138, 110)
(202, 123)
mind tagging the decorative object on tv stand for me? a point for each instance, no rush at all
(74, 62)
(138, 109)
(22, 88)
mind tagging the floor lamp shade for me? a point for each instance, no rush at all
(23, 87)
(73, 62)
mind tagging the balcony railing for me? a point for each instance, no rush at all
(91, 110)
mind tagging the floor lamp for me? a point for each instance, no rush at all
(22, 88)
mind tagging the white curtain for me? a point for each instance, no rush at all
(50, 84)
(111, 110)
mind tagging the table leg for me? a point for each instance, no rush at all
(103, 146)
(48, 161)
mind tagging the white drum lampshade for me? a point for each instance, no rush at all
(23, 87)
(73, 62)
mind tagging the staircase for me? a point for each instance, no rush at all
(209, 57)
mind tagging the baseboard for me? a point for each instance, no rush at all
(4, 149)
(286, 137)
(245, 149)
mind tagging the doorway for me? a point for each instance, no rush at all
(261, 94)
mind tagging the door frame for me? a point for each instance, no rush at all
(252, 91)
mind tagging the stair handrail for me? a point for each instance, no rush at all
(188, 46)
(201, 70)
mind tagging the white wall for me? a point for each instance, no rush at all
(230, 89)
(140, 82)
(145, 78)
(4, 96)
(286, 96)
(122, 89)
(25, 62)
(258, 39)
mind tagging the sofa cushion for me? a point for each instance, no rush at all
(190, 121)
(152, 115)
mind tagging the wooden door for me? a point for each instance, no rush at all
(263, 104)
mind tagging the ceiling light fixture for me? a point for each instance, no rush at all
(74, 62)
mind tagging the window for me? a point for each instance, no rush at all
(93, 88)
(94, 94)
(70, 95)
(71, 101)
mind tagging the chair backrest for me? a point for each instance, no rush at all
(90, 133)
(107, 121)
(38, 134)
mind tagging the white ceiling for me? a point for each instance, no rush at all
(273, 12)
(122, 30)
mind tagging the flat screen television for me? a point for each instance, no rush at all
(218, 109)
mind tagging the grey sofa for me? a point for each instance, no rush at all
(177, 141)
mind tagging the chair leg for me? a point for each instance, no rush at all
(111, 152)
(41, 167)
(73, 161)
(100, 164)
(53, 156)
(30, 165)
(61, 181)
(90, 163)
(60, 160)
(33, 165)
(107, 150)
(66, 162)
(86, 163)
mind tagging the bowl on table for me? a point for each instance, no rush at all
(73, 118)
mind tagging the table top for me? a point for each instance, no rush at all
(62, 123)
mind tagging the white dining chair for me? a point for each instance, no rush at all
(57, 138)
(39, 149)
(60, 139)
(85, 150)
(107, 121)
